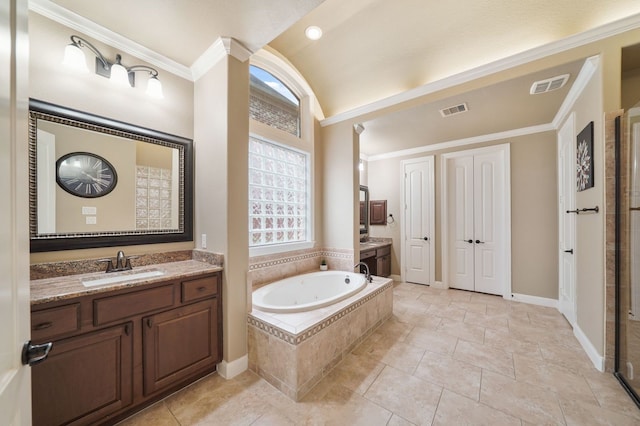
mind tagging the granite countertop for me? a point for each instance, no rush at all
(70, 286)
(374, 244)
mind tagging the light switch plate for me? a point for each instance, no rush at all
(91, 220)
(89, 210)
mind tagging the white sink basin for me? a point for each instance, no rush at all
(121, 277)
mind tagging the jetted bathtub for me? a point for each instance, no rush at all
(306, 292)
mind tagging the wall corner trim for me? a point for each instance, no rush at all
(229, 370)
(220, 49)
(592, 352)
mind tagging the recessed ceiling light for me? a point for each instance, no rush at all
(313, 33)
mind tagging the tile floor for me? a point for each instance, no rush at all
(447, 357)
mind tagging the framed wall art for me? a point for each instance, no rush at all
(584, 158)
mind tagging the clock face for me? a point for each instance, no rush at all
(85, 175)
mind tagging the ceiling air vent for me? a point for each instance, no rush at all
(544, 86)
(457, 109)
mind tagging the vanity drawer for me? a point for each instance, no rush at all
(199, 288)
(52, 322)
(367, 254)
(114, 308)
(383, 251)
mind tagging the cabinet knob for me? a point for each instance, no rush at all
(149, 322)
(469, 241)
(426, 238)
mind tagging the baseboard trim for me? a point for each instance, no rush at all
(395, 277)
(439, 284)
(229, 370)
(592, 352)
(534, 300)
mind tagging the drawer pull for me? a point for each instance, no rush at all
(201, 289)
(149, 323)
(43, 325)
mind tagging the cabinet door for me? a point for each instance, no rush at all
(384, 266)
(85, 378)
(179, 343)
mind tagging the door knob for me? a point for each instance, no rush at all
(479, 242)
(570, 251)
(426, 238)
(35, 354)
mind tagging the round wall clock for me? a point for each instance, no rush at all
(86, 175)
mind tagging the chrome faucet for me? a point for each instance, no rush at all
(123, 263)
(367, 275)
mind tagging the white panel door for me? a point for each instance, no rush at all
(476, 220)
(567, 221)
(460, 214)
(419, 256)
(15, 379)
(488, 200)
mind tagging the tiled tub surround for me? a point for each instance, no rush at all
(295, 351)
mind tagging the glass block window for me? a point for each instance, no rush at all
(271, 102)
(278, 200)
(153, 198)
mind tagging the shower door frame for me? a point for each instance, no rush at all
(618, 311)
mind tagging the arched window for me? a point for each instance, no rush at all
(271, 102)
(280, 159)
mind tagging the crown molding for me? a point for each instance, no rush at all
(220, 49)
(584, 76)
(464, 142)
(614, 28)
(78, 23)
(214, 54)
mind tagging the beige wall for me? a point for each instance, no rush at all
(589, 252)
(341, 204)
(533, 211)
(221, 187)
(51, 82)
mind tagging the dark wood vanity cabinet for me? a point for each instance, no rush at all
(178, 343)
(378, 260)
(85, 378)
(117, 351)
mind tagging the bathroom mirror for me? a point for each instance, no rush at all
(97, 182)
(364, 212)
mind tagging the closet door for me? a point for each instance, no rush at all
(460, 213)
(476, 221)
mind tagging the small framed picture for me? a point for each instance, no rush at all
(584, 158)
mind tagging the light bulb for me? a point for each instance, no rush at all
(154, 88)
(119, 75)
(74, 58)
(313, 32)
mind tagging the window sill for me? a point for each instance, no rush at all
(279, 248)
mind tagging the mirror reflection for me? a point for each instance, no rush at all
(96, 178)
(364, 212)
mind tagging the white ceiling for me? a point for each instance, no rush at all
(375, 49)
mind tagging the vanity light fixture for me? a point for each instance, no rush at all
(120, 75)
